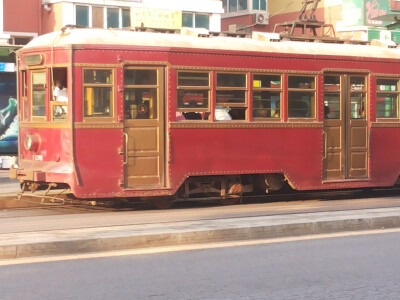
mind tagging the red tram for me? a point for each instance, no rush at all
(140, 117)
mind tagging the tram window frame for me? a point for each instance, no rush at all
(387, 88)
(42, 88)
(332, 97)
(193, 113)
(95, 85)
(236, 109)
(358, 89)
(263, 83)
(300, 88)
(24, 95)
(148, 109)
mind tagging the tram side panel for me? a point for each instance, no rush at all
(296, 153)
(45, 155)
(384, 155)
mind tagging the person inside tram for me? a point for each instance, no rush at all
(192, 115)
(326, 111)
(222, 114)
(60, 94)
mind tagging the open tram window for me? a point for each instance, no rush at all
(193, 95)
(266, 96)
(231, 93)
(332, 92)
(357, 97)
(59, 103)
(140, 93)
(39, 94)
(387, 98)
(301, 97)
(98, 85)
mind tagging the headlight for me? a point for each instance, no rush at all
(32, 142)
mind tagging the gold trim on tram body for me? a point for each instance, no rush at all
(183, 124)
(385, 124)
(65, 125)
(87, 125)
(345, 71)
(49, 125)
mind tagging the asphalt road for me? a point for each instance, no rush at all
(347, 267)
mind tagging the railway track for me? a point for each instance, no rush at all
(274, 203)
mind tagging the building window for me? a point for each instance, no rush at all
(266, 96)
(97, 92)
(259, 5)
(387, 97)
(234, 5)
(19, 40)
(126, 17)
(112, 17)
(82, 15)
(102, 17)
(301, 97)
(97, 17)
(195, 20)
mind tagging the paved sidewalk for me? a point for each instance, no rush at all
(94, 239)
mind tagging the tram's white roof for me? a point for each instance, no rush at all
(83, 36)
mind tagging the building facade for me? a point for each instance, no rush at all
(351, 19)
(172, 14)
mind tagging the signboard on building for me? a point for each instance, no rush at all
(156, 18)
(395, 5)
(373, 9)
(352, 12)
(363, 12)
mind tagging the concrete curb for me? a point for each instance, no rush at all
(73, 241)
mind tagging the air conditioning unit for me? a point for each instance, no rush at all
(261, 19)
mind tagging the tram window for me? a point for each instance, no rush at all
(357, 83)
(357, 103)
(387, 98)
(357, 97)
(140, 93)
(140, 77)
(231, 80)
(266, 96)
(193, 95)
(59, 103)
(231, 93)
(301, 101)
(140, 103)
(39, 94)
(97, 93)
(332, 90)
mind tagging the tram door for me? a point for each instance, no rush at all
(345, 127)
(144, 127)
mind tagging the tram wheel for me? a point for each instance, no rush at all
(229, 200)
(162, 203)
(233, 192)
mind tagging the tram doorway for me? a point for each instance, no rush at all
(345, 127)
(144, 127)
